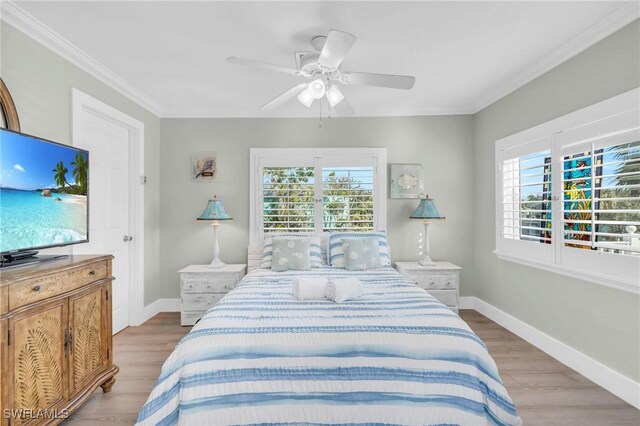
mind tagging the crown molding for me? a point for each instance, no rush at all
(15, 16)
(592, 35)
(275, 114)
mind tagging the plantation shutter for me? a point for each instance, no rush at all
(316, 190)
(601, 186)
(288, 199)
(524, 202)
(348, 198)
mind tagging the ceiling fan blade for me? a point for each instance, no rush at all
(284, 97)
(344, 108)
(263, 65)
(405, 82)
(336, 48)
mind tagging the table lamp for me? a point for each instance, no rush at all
(426, 211)
(215, 213)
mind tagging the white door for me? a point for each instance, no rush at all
(109, 209)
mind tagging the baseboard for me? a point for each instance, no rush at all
(467, 302)
(160, 305)
(618, 384)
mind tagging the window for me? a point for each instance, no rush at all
(347, 198)
(288, 199)
(601, 200)
(568, 194)
(316, 190)
(527, 197)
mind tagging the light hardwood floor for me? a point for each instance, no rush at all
(545, 391)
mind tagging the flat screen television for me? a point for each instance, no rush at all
(43, 195)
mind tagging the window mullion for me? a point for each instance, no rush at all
(318, 194)
(557, 200)
(592, 204)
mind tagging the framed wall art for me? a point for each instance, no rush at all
(204, 167)
(407, 181)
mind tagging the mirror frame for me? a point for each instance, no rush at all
(8, 109)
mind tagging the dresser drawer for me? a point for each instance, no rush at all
(36, 289)
(199, 302)
(448, 297)
(435, 281)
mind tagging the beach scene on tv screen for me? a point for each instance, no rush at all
(43, 193)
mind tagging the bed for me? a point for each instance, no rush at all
(393, 356)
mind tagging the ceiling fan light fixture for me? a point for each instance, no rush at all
(334, 96)
(317, 88)
(305, 97)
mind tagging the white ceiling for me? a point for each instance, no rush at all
(464, 55)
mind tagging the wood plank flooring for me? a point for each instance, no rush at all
(545, 391)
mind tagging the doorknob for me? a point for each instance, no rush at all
(127, 238)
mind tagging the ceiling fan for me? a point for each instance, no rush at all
(322, 67)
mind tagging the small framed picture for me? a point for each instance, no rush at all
(204, 167)
(407, 181)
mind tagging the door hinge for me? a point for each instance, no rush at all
(8, 337)
(107, 293)
(108, 354)
(143, 180)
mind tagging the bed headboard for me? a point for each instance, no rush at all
(254, 257)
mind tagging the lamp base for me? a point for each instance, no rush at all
(426, 261)
(217, 263)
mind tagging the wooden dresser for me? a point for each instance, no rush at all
(55, 341)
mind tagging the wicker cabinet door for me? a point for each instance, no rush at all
(38, 352)
(87, 324)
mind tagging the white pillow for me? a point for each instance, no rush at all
(336, 252)
(315, 250)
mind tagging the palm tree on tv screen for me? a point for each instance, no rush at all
(80, 172)
(60, 173)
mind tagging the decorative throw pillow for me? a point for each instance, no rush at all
(361, 253)
(291, 254)
(336, 253)
(267, 250)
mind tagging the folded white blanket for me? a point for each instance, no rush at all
(307, 288)
(343, 289)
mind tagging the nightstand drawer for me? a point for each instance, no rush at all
(190, 318)
(448, 297)
(190, 285)
(220, 285)
(436, 282)
(200, 302)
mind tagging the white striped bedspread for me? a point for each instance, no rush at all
(394, 356)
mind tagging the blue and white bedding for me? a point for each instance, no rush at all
(394, 356)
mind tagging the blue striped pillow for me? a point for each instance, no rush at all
(336, 252)
(315, 249)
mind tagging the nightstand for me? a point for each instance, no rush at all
(440, 280)
(202, 286)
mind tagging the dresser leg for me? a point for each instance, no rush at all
(106, 386)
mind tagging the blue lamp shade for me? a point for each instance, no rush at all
(215, 211)
(426, 210)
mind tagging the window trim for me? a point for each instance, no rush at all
(524, 252)
(261, 157)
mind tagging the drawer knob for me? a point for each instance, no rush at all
(37, 288)
(448, 283)
(92, 272)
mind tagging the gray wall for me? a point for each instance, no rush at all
(441, 144)
(40, 83)
(601, 322)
